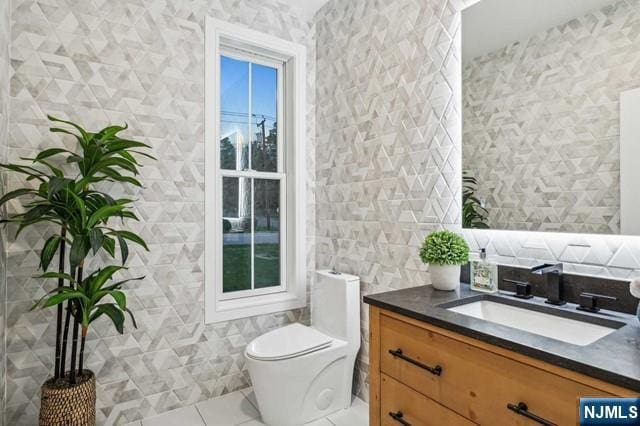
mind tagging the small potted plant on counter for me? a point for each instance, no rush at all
(444, 251)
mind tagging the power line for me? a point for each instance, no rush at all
(245, 114)
(233, 122)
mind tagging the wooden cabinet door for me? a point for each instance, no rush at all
(403, 406)
(476, 383)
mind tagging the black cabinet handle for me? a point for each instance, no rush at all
(436, 371)
(522, 409)
(399, 417)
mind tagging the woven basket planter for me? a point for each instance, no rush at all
(70, 405)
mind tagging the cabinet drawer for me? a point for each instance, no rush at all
(413, 408)
(476, 383)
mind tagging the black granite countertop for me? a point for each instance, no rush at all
(614, 358)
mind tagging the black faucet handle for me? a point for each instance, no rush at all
(589, 301)
(523, 289)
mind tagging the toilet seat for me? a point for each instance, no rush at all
(287, 342)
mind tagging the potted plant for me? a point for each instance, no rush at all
(81, 217)
(444, 251)
(474, 215)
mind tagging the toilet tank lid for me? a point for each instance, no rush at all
(285, 342)
(340, 275)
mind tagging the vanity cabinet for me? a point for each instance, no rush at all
(424, 375)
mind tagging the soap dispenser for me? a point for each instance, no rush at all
(484, 274)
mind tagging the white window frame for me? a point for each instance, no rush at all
(280, 175)
(220, 36)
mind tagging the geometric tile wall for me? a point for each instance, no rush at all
(388, 145)
(610, 256)
(541, 128)
(139, 61)
(5, 36)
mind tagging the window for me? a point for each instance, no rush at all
(254, 156)
(253, 175)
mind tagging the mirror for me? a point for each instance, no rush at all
(551, 116)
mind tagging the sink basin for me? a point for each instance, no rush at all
(575, 331)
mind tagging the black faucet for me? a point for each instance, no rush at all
(589, 301)
(553, 278)
(523, 289)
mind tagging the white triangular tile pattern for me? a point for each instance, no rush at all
(5, 37)
(388, 141)
(609, 256)
(542, 123)
(140, 62)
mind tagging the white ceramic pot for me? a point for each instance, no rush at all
(445, 277)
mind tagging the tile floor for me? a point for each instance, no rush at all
(240, 408)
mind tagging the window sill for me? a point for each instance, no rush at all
(226, 310)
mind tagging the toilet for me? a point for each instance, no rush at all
(301, 373)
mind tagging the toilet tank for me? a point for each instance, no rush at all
(335, 305)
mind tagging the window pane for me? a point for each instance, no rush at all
(267, 233)
(236, 246)
(264, 109)
(234, 114)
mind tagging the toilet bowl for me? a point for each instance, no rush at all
(302, 373)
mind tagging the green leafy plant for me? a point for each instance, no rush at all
(444, 248)
(83, 215)
(89, 298)
(473, 214)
